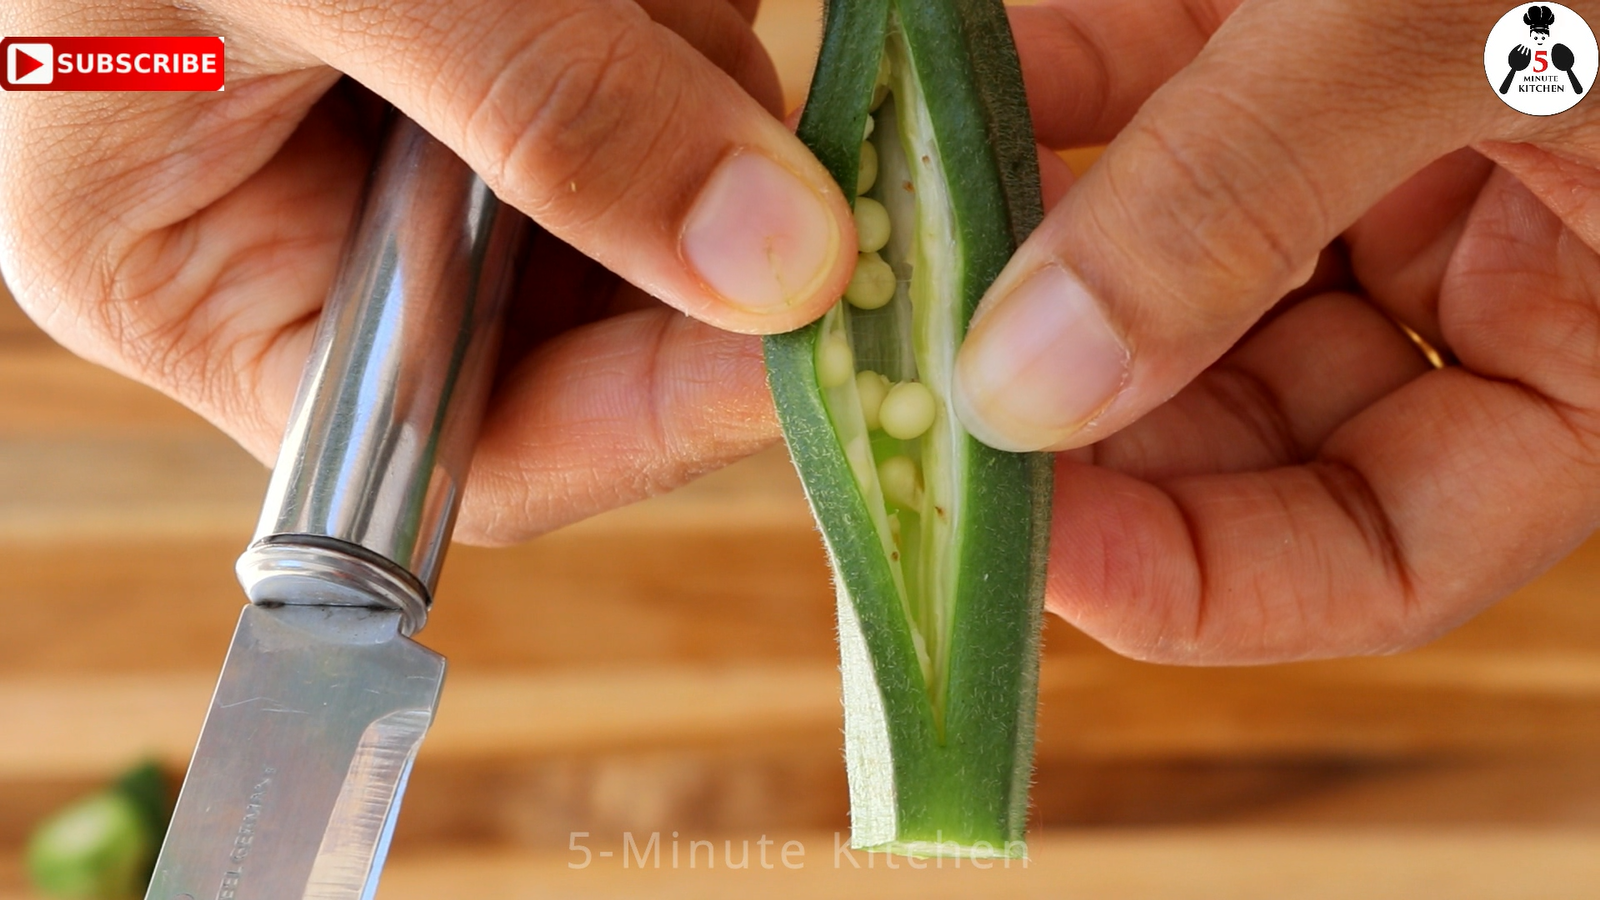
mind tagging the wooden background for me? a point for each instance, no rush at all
(670, 668)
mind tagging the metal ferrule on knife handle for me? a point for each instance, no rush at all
(364, 494)
(324, 700)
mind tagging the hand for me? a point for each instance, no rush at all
(1259, 472)
(188, 240)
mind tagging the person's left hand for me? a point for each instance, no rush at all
(1260, 471)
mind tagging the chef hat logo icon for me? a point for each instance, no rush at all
(1539, 19)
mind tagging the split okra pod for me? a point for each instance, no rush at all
(937, 541)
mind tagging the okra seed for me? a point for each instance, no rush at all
(907, 410)
(867, 131)
(872, 388)
(901, 481)
(836, 364)
(872, 225)
(871, 284)
(867, 175)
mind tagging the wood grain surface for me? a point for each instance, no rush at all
(670, 668)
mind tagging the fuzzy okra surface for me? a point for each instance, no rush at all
(937, 541)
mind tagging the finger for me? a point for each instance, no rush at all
(559, 290)
(1413, 525)
(747, 9)
(1213, 203)
(1055, 177)
(614, 134)
(1275, 399)
(1090, 64)
(1401, 248)
(1431, 504)
(1332, 273)
(612, 413)
(727, 41)
(1519, 304)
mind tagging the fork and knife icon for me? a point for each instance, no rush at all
(1560, 56)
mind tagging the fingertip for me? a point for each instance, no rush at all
(766, 241)
(983, 419)
(1041, 361)
(980, 421)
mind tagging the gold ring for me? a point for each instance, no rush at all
(1429, 352)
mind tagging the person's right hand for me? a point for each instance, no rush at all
(188, 240)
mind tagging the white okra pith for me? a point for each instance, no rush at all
(937, 541)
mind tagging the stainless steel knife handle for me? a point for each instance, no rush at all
(364, 494)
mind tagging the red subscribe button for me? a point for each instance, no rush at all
(112, 63)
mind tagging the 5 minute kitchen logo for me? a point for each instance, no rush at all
(1541, 59)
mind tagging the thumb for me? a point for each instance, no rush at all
(1211, 204)
(612, 132)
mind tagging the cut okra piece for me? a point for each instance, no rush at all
(104, 846)
(937, 541)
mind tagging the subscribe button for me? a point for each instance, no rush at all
(112, 63)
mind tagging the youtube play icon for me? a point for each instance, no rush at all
(26, 65)
(30, 64)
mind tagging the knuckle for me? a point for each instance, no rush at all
(1235, 215)
(61, 285)
(374, 23)
(115, 306)
(566, 107)
(145, 311)
(1249, 400)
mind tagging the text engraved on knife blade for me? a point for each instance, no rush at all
(246, 835)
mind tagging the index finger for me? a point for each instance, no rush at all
(1090, 64)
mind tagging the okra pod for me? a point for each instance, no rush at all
(937, 541)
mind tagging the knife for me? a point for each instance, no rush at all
(324, 698)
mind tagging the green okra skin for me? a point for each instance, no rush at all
(940, 582)
(103, 847)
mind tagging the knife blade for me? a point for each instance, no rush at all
(324, 699)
